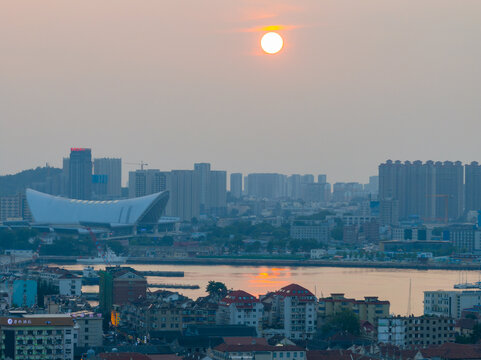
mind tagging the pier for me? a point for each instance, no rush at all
(147, 273)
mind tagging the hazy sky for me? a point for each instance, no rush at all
(177, 82)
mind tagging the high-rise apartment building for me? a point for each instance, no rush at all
(216, 200)
(432, 191)
(14, 208)
(112, 170)
(322, 178)
(472, 186)
(389, 212)
(65, 191)
(267, 185)
(315, 192)
(413, 185)
(307, 179)
(373, 186)
(146, 182)
(294, 187)
(212, 189)
(449, 190)
(80, 173)
(184, 195)
(202, 173)
(236, 185)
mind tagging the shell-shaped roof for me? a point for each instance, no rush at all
(48, 209)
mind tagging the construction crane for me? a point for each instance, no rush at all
(142, 164)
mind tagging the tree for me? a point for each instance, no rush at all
(346, 321)
(216, 289)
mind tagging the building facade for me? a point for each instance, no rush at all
(472, 186)
(450, 303)
(236, 185)
(310, 230)
(112, 169)
(415, 331)
(80, 173)
(89, 328)
(119, 286)
(46, 337)
(267, 186)
(295, 309)
(370, 309)
(240, 308)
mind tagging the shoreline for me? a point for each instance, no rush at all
(277, 262)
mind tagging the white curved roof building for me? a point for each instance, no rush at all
(55, 210)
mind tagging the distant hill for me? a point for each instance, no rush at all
(13, 184)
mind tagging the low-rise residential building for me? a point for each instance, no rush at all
(166, 311)
(240, 308)
(67, 283)
(451, 302)
(370, 309)
(46, 337)
(412, 330)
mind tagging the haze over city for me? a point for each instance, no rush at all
(240, 180)
(173, 83)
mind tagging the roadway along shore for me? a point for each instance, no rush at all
(280, 262)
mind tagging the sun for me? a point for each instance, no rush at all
(272, 43)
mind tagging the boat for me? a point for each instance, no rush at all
(90, 276)
(108, 257)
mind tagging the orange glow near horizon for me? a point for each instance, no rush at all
(270, 279)
(270, 28)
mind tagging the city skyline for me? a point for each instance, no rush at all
(350, 89)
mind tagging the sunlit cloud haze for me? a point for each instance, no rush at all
(177, 82)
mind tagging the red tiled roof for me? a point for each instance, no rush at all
(294, 290)
(453, 351)
(240, 298)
